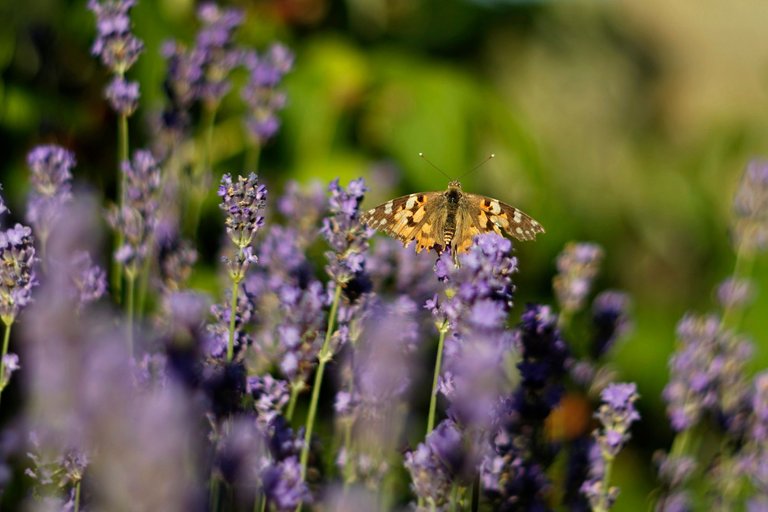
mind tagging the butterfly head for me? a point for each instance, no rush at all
(454, 184)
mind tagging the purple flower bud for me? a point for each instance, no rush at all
(610, 320)
(735, 293)
(436, 464)
(123, 95)
(137, 218)
(284, 486)
(117, 47)
(577, 267)
(342, 229)
(751, 206)
(17, 277)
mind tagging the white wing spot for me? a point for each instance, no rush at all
(382, 222)
(495, 207)
(519, 231)
(388, 208)
(518, 218)
(411, 202)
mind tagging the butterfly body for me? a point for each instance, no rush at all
(449, 219)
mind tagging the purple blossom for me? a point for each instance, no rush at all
(115, 45)
(284, 486)
(177, 257)
(89, 280)
(51, 180)
(270, 397)
(616, 415)
(243, 201)
(17, 275)
(750, 207)
(610, 321)
(577, 267)
(216, 346)
(346, 236)
(260, 92)
(437, 464)
(303, 209)
(10, 364)
(734, 293)
(137, 218)
(123, 95)
(707, 373)
(374, 400)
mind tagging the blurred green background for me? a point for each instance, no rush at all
(627, 123)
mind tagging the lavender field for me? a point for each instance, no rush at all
(198, 313)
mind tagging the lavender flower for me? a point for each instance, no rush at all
(270, 396)
(115, 45)
(751, 207)
(17, 276)
(610, 320)
(344, 233)
(51, 180)
(201, 73)
(734, 293)
(260, 93)
(755, 458)
(10, 363)
(372, 404)
(89, 280)
(123, 95)
(577, 267)
(137, 218)
(707, 373)
(303, 209)
(437, 464)
(243, 202)
(218, 340)
(284, 486)
(513, 471)
(616, 415)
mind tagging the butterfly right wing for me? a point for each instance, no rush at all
(412, 217)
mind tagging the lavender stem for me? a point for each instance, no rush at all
(232, 310)
(323, 357)
(438, 363)
(6, 338)
(122, 156)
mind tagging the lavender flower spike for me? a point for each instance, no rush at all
(616, 415)
(51, 179)
(751, 208)
(243, 202)
(17, 277)
(115, 45)
(260, 92)
(577, 267)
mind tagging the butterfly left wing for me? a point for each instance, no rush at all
(411, 217)
(488, 214)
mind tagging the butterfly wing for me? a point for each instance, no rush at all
(412, 217)
(488, 214)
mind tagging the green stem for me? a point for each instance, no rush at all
(323, 357)
(252, 155)
(232, 313)
(122, 156)
(77, 496)
(6, 339)
(348, 467)
(296, 388)
(131, 278)
(603, 505)
(144, 279)
(214, 497)
(435, 377)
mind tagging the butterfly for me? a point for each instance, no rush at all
(450, 219)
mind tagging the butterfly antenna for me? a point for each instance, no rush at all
(492, 155)
(433, 165)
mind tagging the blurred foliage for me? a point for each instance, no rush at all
(625, 123)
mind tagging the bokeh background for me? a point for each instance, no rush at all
(626, 123)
